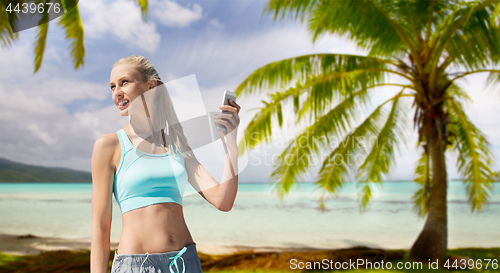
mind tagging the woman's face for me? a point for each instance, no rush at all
(126, 84)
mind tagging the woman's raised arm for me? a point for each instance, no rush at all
(221, 195)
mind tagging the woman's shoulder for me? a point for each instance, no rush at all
(107, 140)
(107, 150)
(107, 144)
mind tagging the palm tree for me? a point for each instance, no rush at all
(70, 21)
(423, 48)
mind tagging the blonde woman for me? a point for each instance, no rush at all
(148, 185)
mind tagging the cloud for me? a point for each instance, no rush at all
(226, 55)
(16, 61)
(34, 120)
(40, 98)
(27, 95)
(169, 13)
(215, 24)
(119, 21)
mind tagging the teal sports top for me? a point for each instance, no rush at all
(144, 179)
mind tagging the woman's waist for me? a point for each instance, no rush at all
(155, 229)
(157, 242)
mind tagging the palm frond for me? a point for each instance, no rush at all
(334, 172)
(40, 41)
(296, 9)
(455, 91)
(281, 74)
(364, 195)
(72, 23)
(259, 129)
(144, 9)
(381, 157)
(423, 175)
(493, 79)
(476, 43)
(495, 13)
(324, 90)
(372, 25)
(474, 156)
(7, 34)
(295, 159)
(418, 13)
(325, 78)
(445, 28)
(468, 36)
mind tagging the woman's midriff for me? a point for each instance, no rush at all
(156, 228)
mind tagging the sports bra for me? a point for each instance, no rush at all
(144, 179)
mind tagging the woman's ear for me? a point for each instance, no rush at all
(152, 83)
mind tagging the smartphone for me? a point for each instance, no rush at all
(228, 95)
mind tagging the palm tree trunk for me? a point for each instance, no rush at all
(433, 239)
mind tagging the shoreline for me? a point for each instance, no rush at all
(29, 244)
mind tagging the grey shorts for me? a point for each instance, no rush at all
(185, 260)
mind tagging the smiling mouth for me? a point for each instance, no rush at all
(122, 104)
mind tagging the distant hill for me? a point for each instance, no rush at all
(11, 171)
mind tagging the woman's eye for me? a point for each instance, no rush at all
(123, 81)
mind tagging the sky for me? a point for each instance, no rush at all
(53, 117)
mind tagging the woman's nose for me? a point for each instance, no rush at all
(118, 93)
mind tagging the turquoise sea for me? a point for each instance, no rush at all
(258, 218)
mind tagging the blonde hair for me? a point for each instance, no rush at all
(164, 116)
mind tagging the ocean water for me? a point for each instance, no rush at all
(259, 218)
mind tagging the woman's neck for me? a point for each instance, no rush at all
(141, 137)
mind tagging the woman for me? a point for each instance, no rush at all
(154, 237)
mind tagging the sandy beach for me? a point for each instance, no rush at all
(75, 255)
(28, 244)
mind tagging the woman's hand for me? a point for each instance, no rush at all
(230, 120)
